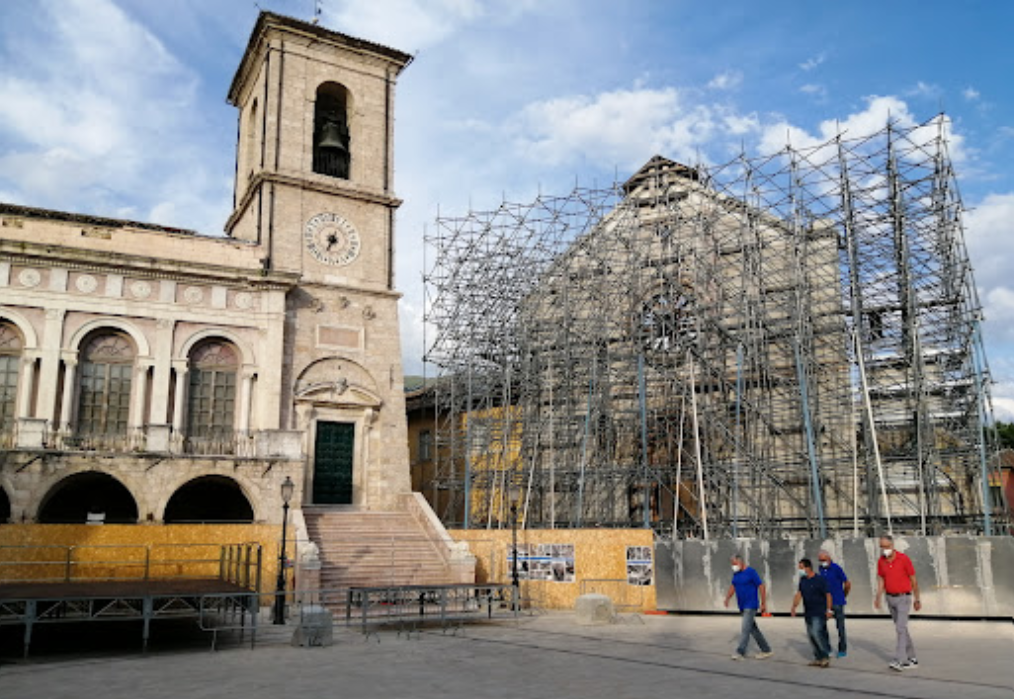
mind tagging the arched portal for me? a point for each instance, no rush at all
(72, 499)
(208, 499)
(5, 507)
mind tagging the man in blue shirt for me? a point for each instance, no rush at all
(751, 595)
(839, 586)
(816, 608)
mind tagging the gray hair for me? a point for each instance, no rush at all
(888, 538)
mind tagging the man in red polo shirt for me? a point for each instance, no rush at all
(896, 579)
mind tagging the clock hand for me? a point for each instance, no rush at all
(332, 240)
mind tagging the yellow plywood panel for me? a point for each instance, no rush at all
(60, 552)
(600, 564)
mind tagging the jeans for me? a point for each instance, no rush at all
(839, 622)
(816, 630)
(750, 628)
(900, 607)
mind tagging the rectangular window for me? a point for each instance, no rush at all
(425, 446)
(9, 366)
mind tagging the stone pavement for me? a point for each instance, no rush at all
(545, 656)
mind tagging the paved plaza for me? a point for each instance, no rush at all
(541, 656)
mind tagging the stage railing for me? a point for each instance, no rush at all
(236, 563)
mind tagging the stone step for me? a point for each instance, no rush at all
(374, 549)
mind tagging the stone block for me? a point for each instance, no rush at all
(316, 627)
(31, 433)
(285, 444)
(594, 609)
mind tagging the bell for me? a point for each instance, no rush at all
(331, 138)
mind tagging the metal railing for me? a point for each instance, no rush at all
(236, 563)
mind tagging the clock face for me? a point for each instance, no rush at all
(331, 239)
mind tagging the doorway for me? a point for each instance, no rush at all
(333, 455)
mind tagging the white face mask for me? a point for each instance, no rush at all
(735, 569)
(802, 573)
(887, 552)
(825, 564)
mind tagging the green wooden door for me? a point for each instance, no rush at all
(332, 463)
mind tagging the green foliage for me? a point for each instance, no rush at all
(1005, 435)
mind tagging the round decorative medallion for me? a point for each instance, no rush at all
(193, 294)
(244, 300)
(86, 283)
(30, 277)
(331, 239)
(140, 290)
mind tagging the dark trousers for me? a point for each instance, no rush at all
(839, 622)
(816, 630)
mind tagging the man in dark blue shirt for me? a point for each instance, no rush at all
(839, 587)
(751, 596)
(816, 608)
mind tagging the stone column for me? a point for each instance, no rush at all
(51, 350)
(69, 384)
(139, 395)
(245, 399)
(182, 370)
(162, 351)
(26, 385)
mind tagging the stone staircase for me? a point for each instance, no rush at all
(374, 549)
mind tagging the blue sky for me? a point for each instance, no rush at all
(117, 107)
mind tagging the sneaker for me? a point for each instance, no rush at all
(815, 663)
(896, 666)
(841, 654)
(912, 662)
(738, 656)
(824, 663)
(764, 654)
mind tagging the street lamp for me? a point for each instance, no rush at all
(288, 487)
(514, 493)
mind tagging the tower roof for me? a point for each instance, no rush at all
(270, 20)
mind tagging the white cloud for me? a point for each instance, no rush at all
(96, 111)
(625, 128)
(411, 25)
(814, 89)
(813, 62)
(924, 89)
(970, 94)
(729, 80)
(989, 232)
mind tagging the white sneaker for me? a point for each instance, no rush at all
(764, 654)
(738, 656)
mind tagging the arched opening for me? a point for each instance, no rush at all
(75, 497)
(211, 397)
(252, 136)
(5, 507)
(11, 347)
(105, 383)
(208, 499)
(332, 143)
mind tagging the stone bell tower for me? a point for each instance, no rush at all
(314, 174)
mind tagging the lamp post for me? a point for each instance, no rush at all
(514, 493)
(288, 487)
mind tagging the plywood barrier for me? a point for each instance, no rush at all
(60, 552)
(959, 576)
(587, 560)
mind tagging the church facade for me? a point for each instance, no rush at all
(150, 374)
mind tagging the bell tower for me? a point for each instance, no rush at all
(314, 192)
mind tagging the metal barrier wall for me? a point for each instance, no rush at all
(959, 576)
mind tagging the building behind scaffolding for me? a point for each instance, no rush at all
(779, 346)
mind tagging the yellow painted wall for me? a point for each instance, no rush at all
(40, 551)
(599, 554)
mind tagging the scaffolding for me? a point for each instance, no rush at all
(777, 346)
